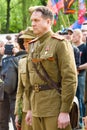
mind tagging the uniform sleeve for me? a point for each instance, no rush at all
(68, 73)
(28, 88)
(20, 90)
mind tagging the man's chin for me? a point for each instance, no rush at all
(36, 33)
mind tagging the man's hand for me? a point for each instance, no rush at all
(16, 122)
(63, 120)
(28, 118)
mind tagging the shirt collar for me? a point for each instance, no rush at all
(45, 36)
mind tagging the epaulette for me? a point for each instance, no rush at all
(57, 36)
(34, 40)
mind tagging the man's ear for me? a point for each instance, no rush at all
(49, 21)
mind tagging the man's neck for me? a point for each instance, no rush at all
(41, 34)
(78, 43)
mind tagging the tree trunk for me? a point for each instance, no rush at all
(24, 13)
(8, 16)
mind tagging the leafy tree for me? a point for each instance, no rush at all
(14, 15)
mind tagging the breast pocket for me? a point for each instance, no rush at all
(46, 56)
(50, 64)
(48, 60)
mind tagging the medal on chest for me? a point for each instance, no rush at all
(47, 49)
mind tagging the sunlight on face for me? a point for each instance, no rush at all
(75, 37)
(39, 24)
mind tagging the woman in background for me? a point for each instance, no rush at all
(20, 97)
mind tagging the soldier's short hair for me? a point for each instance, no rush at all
(46, 12)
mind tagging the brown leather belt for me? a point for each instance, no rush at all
(38, 87)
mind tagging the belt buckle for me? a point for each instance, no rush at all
(36, 87)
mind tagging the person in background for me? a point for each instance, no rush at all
(77, 40)
(9, 76)
(20, 96)
(9, 39)
(84, 39)
(84, 31)
(4, 104)
(48, 109)
(67, 33)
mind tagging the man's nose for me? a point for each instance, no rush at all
(33, 23)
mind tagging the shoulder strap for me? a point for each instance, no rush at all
(49, 80)
(58, 37)
(37, 71)
(46, 77)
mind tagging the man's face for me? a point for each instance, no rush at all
(75, 37)
(40, 25)
(26, 43)
(84, 35)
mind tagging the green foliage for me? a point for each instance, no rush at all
(66, 20)
(20, 18)
(20, 112)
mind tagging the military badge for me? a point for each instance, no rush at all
(47, 49)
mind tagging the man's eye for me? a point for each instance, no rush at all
(36, 20)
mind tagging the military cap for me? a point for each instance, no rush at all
(70, 29)
(63, 32)
(28, 33)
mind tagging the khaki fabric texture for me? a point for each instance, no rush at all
(28, 33)
(47, 123)
(21, 86)
(57, 57)
(24, 126)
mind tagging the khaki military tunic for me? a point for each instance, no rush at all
(21, 85)
(57, 57)
(21, 93)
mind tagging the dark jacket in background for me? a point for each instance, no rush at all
(77, 56)
(9, 76)
(4, 105)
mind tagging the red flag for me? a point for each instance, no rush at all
(55, 5)
(67, 6)
(81, 12)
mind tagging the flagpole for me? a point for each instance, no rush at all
(68, 20)
(62, 18)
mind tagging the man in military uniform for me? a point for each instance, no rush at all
(52, 75)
